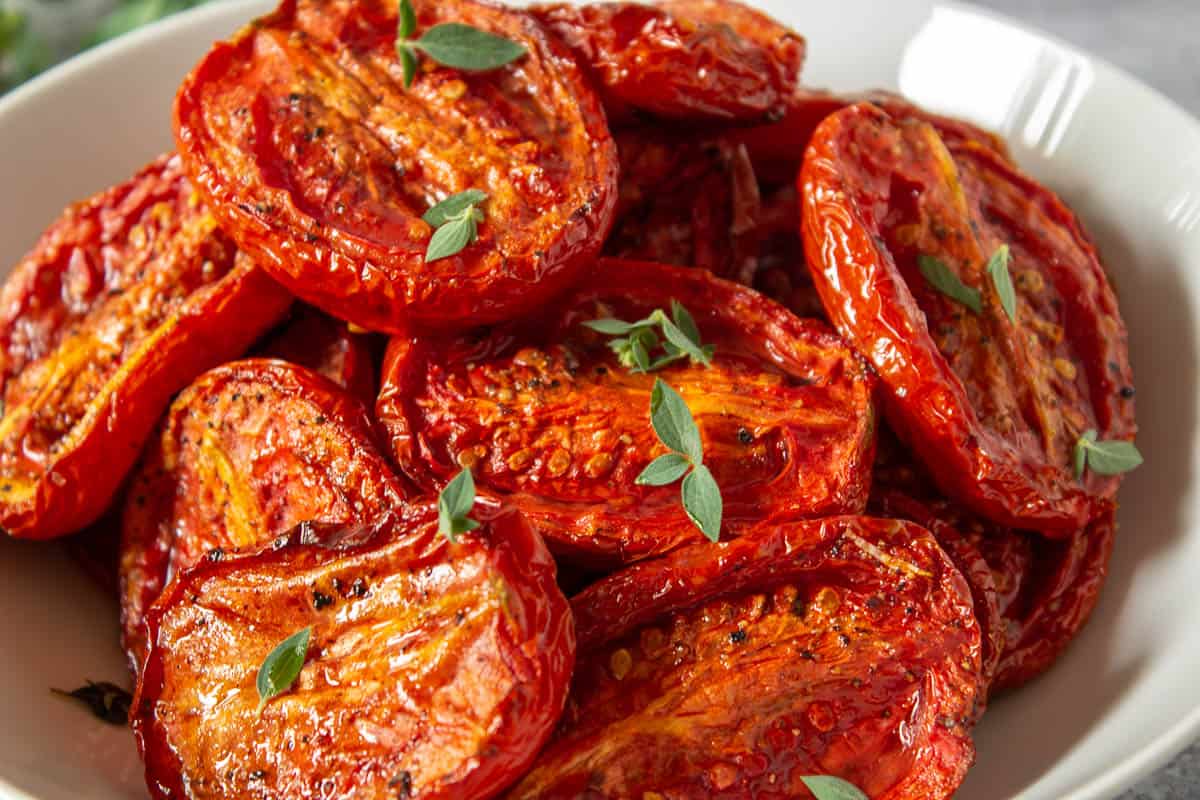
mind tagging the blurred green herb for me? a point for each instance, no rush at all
(451, 44)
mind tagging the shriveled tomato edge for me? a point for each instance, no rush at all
(153, 554)
(298, 259)
(948, 444)
(1061, 610)
(766, 326)
(534, 602)
(771, 554)
(218, 321)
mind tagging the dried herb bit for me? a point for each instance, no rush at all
(455, 221)
(943, 279)
(827, 787)
(997, 268)
(1109, 457)
(637, 341)
(107, 701)
(281, 668)
(454, 504)
(675, 428)
(451, 44)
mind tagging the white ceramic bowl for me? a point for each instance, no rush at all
(1123, 699)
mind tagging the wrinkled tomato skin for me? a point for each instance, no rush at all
(993, 409)
(693, 203)
(777, 148)
(321, 163)
(313, 339)
(683, 61)
(730, 670)
(120, 305)
(548, 419)
(434, 670)
(246, 453)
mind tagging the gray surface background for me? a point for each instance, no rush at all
(1159, 42)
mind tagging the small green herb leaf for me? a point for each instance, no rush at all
(408, 63)
(281, 668)
(702, 501)
(685, 322)
(945, 281)
(685, 343)
(453, 44)
(673, 423)
(1106, 457)
(663, 470)
(454, 504)
(997, 268)
(827, 787)
(450, 239)
(609, 326)
(107, 702)
(454, 207)
(407, 24)
(680, 331)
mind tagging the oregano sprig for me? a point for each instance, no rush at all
(454, 504)
(282, 667)
(451, 44)
(637, 343)
(827, 787)
(1105, 457)
(997, 269)
(942, 278)
(673, 424)
(455, 221)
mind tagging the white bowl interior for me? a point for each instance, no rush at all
(1124, 697)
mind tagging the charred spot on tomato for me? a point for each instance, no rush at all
(321, 600)
(537, 421)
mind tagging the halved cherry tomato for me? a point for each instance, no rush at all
(123, 301)
(991, 405)
(322, 164)
(693, 203)
(688, 60)
(328, 346)
(547, 417)
(845, 646)
(434, 670)
(247, 452)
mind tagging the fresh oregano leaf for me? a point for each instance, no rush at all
(664, 470)
(702, 501)
(406, 26)
(107, 701)
(610, 327)
(942, 278)
(454, 44)
(827, 787)
(453, 207)
(1105, 457)
(408, 63)
(685, 322)
(997, 268)
(281, 668)
(682, 339)
(673, 423)
(686, 344)
(454, 504)
(451, 238)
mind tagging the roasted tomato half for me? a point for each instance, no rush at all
(247, 452)
(326, 345)
(545, 415)
(692, 203)
(845, 646)
(322, 164)
(992, 405)
(777, 148)
(434, 670)
(691, 60)
(124, 300)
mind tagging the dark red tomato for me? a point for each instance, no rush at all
(1053, 604)
(780, 271)
(545, 415)
(434, 670)
(247, 452)
(992, 407)
(321, 163)
(125, 300)
(690, 60)
(328, 346)
(97, 549)
(845, 646)
(777, 148)
(692, 203)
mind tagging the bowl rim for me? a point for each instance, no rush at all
(1138, 763)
